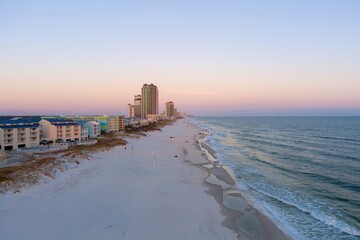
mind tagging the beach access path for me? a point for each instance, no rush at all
(148, 189)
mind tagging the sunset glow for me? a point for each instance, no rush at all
(210, 58)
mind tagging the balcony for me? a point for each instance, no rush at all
(8, 136)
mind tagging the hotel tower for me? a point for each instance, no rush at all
(149, 100)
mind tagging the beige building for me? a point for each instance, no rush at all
(18, 133)
(130, 110)
(149, 100)
(169, 109)
(135, 110)
(54, 129)
(121, 123)
(153, 117)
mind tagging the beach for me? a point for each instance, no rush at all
(161, 186)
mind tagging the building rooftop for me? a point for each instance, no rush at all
(82, 122)
(17, 122)
(61, 122)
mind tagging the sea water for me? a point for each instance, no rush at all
(303, 172)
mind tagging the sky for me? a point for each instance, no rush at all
(211, 58)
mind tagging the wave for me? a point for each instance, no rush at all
(262, 161)
(291, 199)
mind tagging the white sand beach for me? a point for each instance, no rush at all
(150, 189)
(121, 194)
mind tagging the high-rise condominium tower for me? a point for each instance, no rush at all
(149, 100)
(137, 106)
(169, 109)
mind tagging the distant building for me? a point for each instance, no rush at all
(130, 110)
(137, 106)
(135, 110)
(169, 109)
(153, 117)
(54, 129)
(121, 123)
(18, 133)
(94, 130)
(108, 124)
(149, 100)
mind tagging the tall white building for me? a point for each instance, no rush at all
(149, 100)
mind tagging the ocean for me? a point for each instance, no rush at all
(303, 172)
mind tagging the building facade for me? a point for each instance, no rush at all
(135, 110)
(121, 123)
(93, 127)
(149, 100)
(130, 111)
(137, 106)
(54, 129)
(18, 133)
(108, 124)
(169, 109)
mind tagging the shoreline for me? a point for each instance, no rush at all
(241, 216)
(161, 186)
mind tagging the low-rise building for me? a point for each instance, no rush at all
(93, 127)
(121, 123)
(108, 124)
(84, 130)
(54, 129)
(18, 133)
(153, 117)
(89, 129)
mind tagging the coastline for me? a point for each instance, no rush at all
(155, 187)
(241, 215)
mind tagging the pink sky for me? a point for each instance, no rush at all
(236, 58)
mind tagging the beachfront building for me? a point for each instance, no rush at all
(149, 100)
(153, 117)
(108, 124)
(84, 129)
(60, 129)
(112, 124)
(169, 109)
(18, 133)
(130, 111)
(121, 123)
(137, 106)
(135, 109)
(93, 127)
